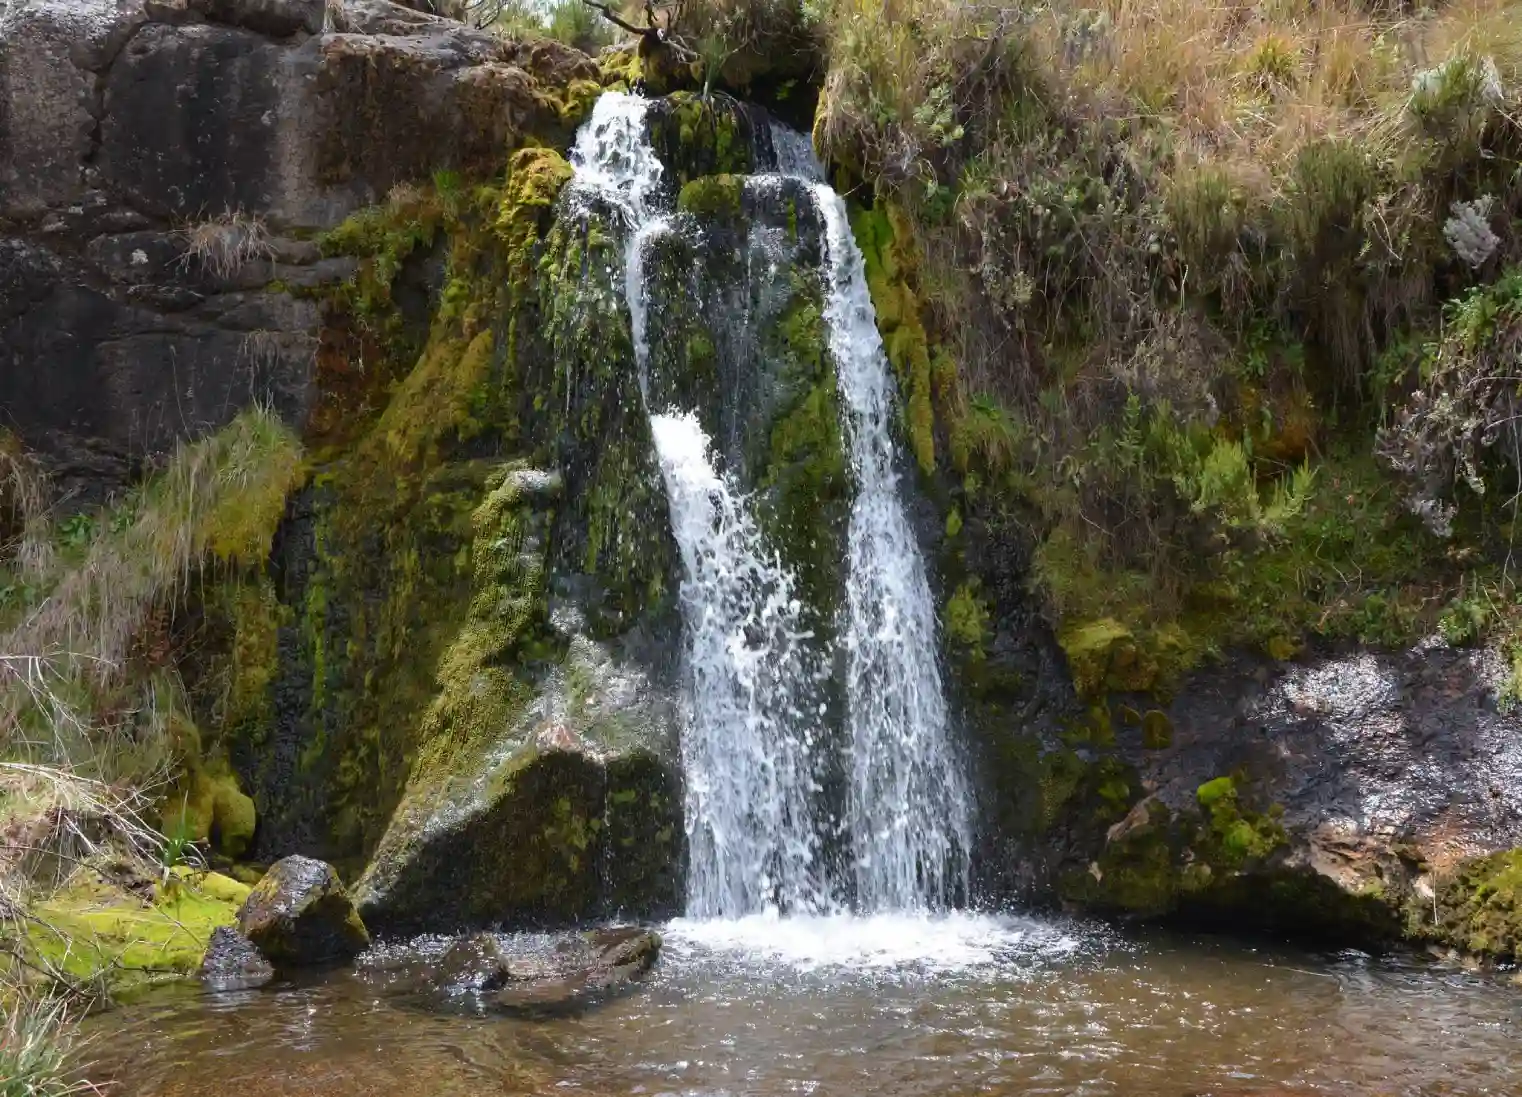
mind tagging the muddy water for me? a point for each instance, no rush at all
(883, 1007)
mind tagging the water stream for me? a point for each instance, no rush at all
(892, 1006)
(786, 977)
(746, 751)
(753, 824)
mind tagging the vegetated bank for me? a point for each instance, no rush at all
(1202, 321)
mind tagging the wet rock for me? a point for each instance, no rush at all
(527, 840)
(578, 972)
(569, 809)
(233, 963)
(300, 913)
(476, 962)
(1359, 797)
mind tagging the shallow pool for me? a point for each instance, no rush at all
(875, 1007)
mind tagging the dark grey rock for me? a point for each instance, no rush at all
(300, 913)
(547, 975)
(233, 963)
(1364, 752)
(579, 972)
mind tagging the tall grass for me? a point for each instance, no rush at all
(39, 1046)
(66, 695)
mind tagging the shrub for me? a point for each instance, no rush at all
(76, 691)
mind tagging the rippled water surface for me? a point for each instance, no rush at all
(881, 1007)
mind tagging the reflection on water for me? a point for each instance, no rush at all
(885, 1007)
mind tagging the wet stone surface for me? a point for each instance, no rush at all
(233, 963)
(523, 974)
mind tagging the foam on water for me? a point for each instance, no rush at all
(957, 941)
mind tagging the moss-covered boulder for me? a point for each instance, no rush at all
(546, 831)
(110, 928)
(300, 913)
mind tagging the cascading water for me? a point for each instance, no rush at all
(753, 745)
(909, 813)
(752, 836)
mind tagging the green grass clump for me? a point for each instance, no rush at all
(38, 1044)
(87, 649)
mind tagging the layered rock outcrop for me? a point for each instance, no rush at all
(164, 169)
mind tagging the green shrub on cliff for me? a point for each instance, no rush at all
(1174, 261)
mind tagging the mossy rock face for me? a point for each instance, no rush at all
(1478, 907)
(300, 913)
(694, 137)
(132, 933)
(549, 835)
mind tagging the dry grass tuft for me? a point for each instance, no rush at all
(223, 246)
(65, 694)
(39, 1044)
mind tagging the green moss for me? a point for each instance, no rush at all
(212, 809)
(712, 196)
(382, 237)
(1137, 874)
(1216, 791)
(1106, 655)
(1478, 907)
(1233, 836)
(804, 481)
(1157, 730)
(967, 619)
(697, 137)
(887, 244)
(93, 931)
(621, 69)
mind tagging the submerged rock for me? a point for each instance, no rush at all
(233, 963)
(300, 913)
(580, 971)
(550, 974)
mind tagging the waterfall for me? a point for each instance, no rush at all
(752, 834)
(909, 813)
(753, 739)
(794, 153)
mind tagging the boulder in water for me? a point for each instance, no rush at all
(578, 971)
(300, 913)
(476, 962)
(233, 963)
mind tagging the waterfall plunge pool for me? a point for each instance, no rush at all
(886, 1006)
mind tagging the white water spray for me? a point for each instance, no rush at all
(909, 814)
(754, 739)
(751, 831)
(752, 837)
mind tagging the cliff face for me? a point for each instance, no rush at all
(454, 670)
(164, 170)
